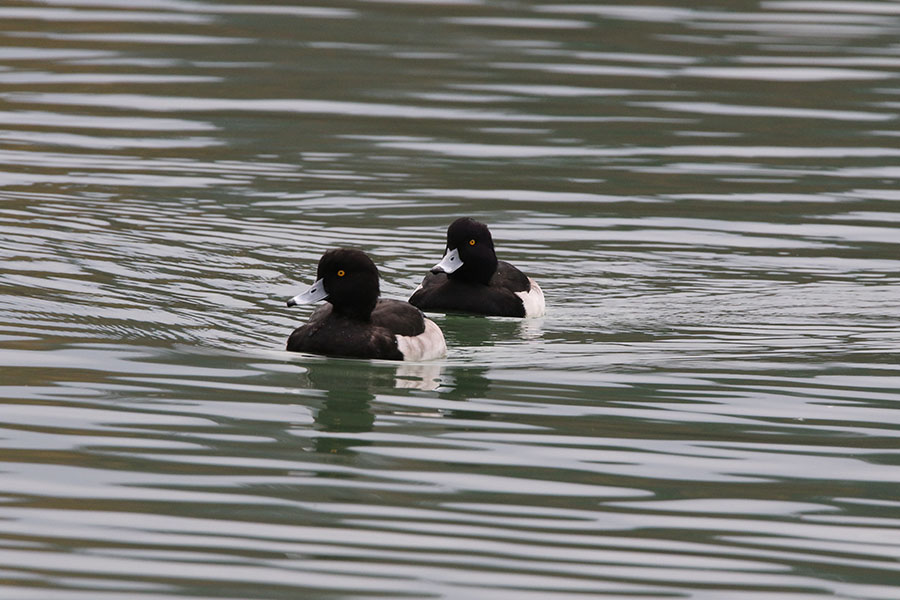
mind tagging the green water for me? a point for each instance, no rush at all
(707, 196)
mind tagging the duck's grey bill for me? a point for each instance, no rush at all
(315, 293)
(449, 263)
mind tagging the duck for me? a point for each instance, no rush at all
(470, 278)
(355, 322)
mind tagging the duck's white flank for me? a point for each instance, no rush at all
(533, 300)
(428, 345)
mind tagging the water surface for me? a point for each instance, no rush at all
(707, 196)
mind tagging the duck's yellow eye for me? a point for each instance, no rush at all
(341, 273)
(471, 242)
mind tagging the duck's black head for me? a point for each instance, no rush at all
(470, 252)
(349, 280)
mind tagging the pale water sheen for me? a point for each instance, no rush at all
(708, 196)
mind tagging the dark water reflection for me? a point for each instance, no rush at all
(706, 194)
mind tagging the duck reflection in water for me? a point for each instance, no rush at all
(350, 407)
(350, 387)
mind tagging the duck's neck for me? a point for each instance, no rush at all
(476, 271)
(359, 311)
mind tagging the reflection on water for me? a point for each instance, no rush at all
(706, 195)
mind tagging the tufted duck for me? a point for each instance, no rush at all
(355, 323)
(470, 278)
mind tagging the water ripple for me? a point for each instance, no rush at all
(706, 196)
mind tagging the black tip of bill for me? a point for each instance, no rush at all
(291, 302)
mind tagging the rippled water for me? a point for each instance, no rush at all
(707, 195)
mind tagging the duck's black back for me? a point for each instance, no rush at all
(332, 334)
(401, 318)
(446, 294)
(510, 278)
